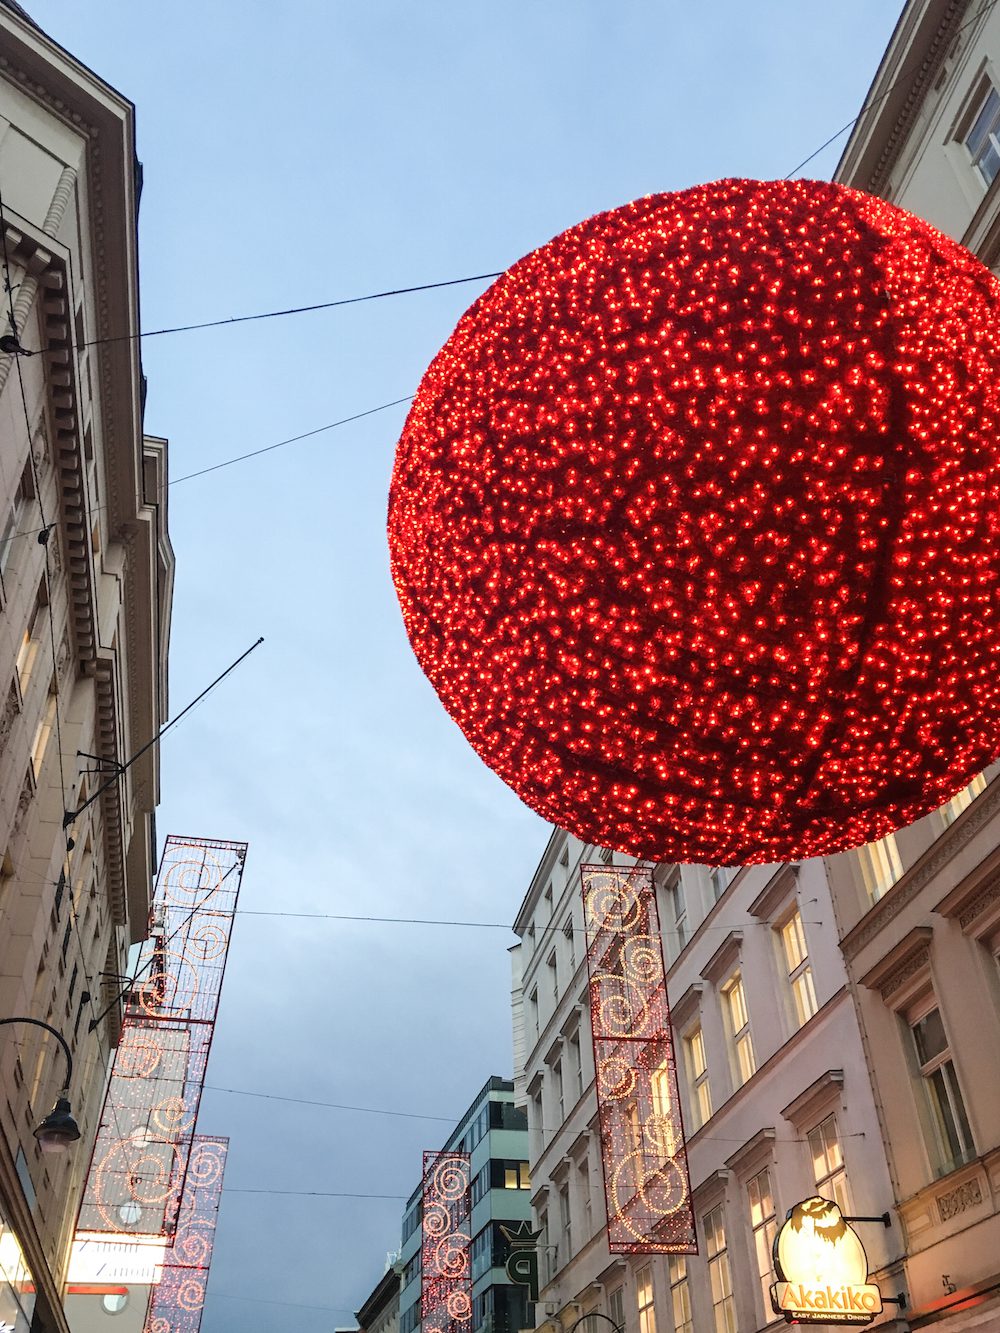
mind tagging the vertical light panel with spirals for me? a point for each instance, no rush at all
(646, 1180)
(445, 1267)
(142, 1154)
(177, 1301)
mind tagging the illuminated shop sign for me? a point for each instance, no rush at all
(94, 1258)
(822, 1268)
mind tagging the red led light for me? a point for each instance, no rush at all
(694, 523)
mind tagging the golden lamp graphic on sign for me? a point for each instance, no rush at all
(822, 1268)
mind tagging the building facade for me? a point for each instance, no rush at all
(494, 1132)
(380, 1312)
(774, 1085)
(86, 572)
(920, 923)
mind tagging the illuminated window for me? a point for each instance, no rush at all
(720, 1277)
(516, 1176)
(944, 1096)
(644, 1299)
(666, 1136)
(616, 1306)
(763, 1225)
(828, 1163)
(738, 1022)
(680, 1296)
(800, 978)
(880, 866)
(32, 636)
(697, 1070)
(951, 810)
(44, 731)
(982, 139)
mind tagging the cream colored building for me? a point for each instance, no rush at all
(919, 916)
(84, 624)
(774, 1084)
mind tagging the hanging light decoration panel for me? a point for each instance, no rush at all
(694, 523)
(646, 1183)
(445, 1267)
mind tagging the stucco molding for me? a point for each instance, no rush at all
(939, 855)
(910, 957)
(776, 892)
(724, 957)
(822, 1092)
(753, 1155)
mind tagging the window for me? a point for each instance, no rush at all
(951, 810)
(44, 731)
(505, 1174)
(739, 1028)
(800, 978)
(828, 1163)
(697, 1069)
(12, 525)
(31, 639)
(548, 900)
(644, 1299)
(616, 1306)
(982, 141)
(576, 1065)
(570, 937)
(533, 1009)
(553, 974)
(516, 1175)
(720, 878)
(944, 1096)
(411, 1270)
(565, 1221)
(680, 1296)
(550, 1256)
(664, 1129)
(678, 914)
(719, 1275)
(880, 866)
(763, 1225)
(583, 1178)
(560, 1096)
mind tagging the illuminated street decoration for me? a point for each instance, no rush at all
(822, 1268)
(178, 1300)
(646, 1181)
(694, 523)
(445, 1269)
(141, 1157)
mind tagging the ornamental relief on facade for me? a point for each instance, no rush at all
(966, 1195)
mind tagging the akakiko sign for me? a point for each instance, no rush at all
(822, 1268)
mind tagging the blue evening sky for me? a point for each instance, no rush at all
(301, 152)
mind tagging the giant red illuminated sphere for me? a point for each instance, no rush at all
(694, 523)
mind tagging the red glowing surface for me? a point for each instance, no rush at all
(445, 1270)
(694, 523)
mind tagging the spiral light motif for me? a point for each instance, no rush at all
(450, 1181)
(446, 1291)
(616, 1078)
(459, 1306)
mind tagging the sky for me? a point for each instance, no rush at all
(303, 152)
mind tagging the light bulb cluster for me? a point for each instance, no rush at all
(178, 1299)
(694, 523)
(647, 1188)
(445, 1267)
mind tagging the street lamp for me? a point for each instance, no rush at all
(58, 1130)
(594, 1314)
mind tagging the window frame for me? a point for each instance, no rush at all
(719, 1270)
(832, 1183)
(743, 1059)
(950, 1155)
(797, 970)
(699, 1087)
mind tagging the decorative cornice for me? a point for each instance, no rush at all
(775, 892)
(943, 850)
(756, 1149)
(971, 900)
(688, 1004)
(727, 952)
(923, 78)
(823, 1089)
(909, 957)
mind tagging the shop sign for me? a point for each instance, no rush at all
(822, 1268)
(95, 1258)
(522, 1264)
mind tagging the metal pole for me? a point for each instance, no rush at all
(37, 1022)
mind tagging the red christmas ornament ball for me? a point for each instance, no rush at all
(694, 523)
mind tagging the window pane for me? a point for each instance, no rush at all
(985, 121)
(794, 940)
(929, 1036)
